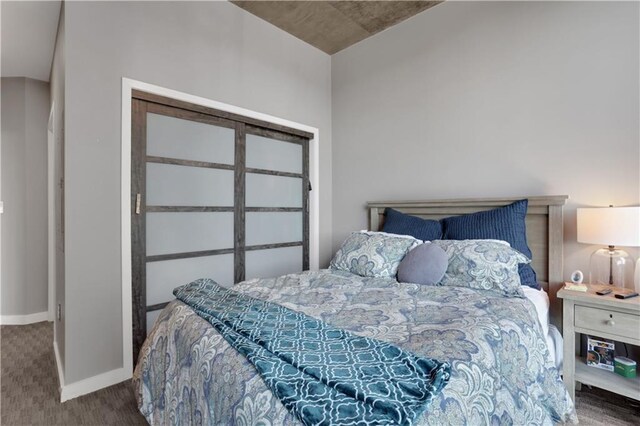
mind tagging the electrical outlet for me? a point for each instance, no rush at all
(59, 312)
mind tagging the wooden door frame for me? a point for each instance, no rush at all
(128, 86)
(143, 104)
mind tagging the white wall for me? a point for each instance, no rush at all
(25, 112)
(210, 49)
(13, 159)
(489, 99)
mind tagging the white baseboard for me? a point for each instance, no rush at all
(92, 384)
(24, 319)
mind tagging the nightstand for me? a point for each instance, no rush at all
(602, 316)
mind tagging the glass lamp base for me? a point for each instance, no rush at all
(611, 266)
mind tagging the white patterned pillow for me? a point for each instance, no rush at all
(372, 254)
(484, 265)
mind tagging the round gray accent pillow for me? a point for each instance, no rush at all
(425, 264)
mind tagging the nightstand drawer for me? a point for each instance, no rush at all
(607, 321)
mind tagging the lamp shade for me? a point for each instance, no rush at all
(610, 226)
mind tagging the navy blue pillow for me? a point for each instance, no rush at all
(396, 222)
(504, 223)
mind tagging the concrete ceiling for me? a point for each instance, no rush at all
(27, 36)
(334, 25)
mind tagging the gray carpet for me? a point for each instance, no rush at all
(599, 408)
(29, 386)
(29, 390)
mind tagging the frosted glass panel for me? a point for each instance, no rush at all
(164, 276)
(185, 232)
(151, 319)
(189, 140)
(273, 262)
(273, 191)
(171, 185)
(271, 154)
(272, 227)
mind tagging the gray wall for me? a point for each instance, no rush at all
(488, 99)
(25, 112)
(210, 49)
(57, 80)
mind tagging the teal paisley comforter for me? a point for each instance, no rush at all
(323, 374)
(501, 373)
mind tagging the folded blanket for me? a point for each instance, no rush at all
(322, 374)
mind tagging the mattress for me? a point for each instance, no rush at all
(540, 300)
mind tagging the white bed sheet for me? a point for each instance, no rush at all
(540, 300)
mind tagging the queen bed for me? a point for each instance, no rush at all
(498, 352)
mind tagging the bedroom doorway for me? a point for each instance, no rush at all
(213, 194)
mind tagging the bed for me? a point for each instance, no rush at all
(502, 368)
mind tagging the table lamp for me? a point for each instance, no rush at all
(611, 227)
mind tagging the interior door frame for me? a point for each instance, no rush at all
(128, 86)
(51, 220)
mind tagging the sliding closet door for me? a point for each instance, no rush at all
(276, 200)
(183, 218)
(212, 197)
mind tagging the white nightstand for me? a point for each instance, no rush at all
(602, 316)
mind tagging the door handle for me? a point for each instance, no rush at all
(138, 198)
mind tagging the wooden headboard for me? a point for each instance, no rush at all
(544, 231)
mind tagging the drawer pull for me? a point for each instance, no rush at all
(611, 322)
